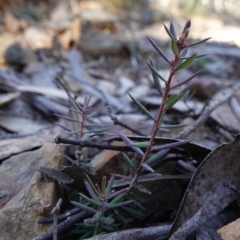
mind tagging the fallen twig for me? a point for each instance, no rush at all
(207, 111)
(62, 227)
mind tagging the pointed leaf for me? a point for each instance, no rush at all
(187, 80)
(92, 185)
(96, 203)
(172, 127)
(84, 207)
(115, 194)
(156, 72)
(147, 167)
(121, 204)
(110, 184)
(172, 30)
(141, 107)
(91, 191)
(157, 156)
(130, 162)
(118, 199)
(107, 220)
(132, 211)
(187, 26)
(202, 41)
(141, 144)
(174, 46)
(186, 63)
(175, 98)
(129, 142)
(170, 145)
(160, 52)
(156, 79)
(104, 184)
(168, 32)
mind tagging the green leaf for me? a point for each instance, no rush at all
(156, 79)
(123, 219)
(117, 199)
(130, 162)
(92, 185)
(141, 144)
(157, 156)
(161, 119)
(93, 202)
(141, 107)
(168, 32)
(134, 212)
(84, 207)
(156, 72)
(147, 167)
(186, 63)
(110, 184)
(174, 46)
(107, 220)
(175, 98)
(202, 41)
(104, 185)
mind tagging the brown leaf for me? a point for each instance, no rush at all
(206, 189)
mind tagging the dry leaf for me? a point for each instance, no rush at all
(207, 190)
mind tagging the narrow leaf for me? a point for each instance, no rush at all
(156, 72)
(156, 79)
(118, 199)
(92, 185)
(123, 219)
(187, 26)
(141, 144)
(134, 212)
(130, 162)
(170, 145)
(147, 167)
(129, 142)
(172, 127)
(175, 98)
(194, 44)
(168, 32)
(160, 52)
(186, 63)
(110, 184)
(172, 30)
(96, 203)
(84, 207)
(157, 156)
(91, 191)
(198, 56)
(115, 194)
(107, 220)
(187, 80)
(121, 204)
(141, 107)
(104, 184)
(174, 46)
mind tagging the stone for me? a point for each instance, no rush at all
(31, 194)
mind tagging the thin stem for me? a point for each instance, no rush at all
(159, 115)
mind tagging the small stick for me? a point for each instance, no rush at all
(55, 212)
(207, 111)
(65, 225)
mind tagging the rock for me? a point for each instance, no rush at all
(99, 19)
(70, 37)
(31, 194)
(230, 231)
(11, 23)
(37, 38)
(96, 43)
(19, 55)
(6, 40)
